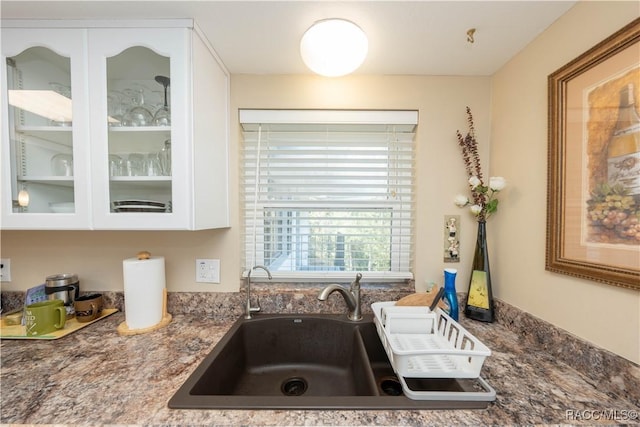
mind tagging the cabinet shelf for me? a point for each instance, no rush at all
(57, 134)
(140, 179)
(43, 129)
(61, 181)
(117, 129)
(123, 183)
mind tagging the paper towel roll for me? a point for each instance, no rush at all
(144, 284)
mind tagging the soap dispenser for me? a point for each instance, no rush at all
(450, 296)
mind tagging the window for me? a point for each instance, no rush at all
(328, 193)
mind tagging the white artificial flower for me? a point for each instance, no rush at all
(476, 209)
(461, 201)
(497, 183)
(474, 181)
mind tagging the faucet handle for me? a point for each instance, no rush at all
(356, 283)
(257, 308)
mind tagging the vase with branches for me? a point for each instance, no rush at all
(483, 203)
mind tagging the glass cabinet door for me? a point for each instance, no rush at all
(138, 100)
(40, 139)
(40, 107)
(139, 131)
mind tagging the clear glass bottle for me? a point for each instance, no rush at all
(623, 151)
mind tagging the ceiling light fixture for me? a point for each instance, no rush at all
(334, 47)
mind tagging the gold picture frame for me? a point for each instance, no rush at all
(584, 238)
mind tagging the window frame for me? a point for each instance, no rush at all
(254, 121)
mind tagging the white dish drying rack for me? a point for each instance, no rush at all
(429, 344)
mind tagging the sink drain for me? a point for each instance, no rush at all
(294, 386)
(391, 386)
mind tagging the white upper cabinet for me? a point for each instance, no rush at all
(144, 143)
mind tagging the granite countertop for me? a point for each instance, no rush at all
(95, 376)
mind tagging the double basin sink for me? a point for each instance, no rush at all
(308, 361)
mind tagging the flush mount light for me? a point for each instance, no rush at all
(334, 47)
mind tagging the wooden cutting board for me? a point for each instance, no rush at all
(17, 332)
(422, 298)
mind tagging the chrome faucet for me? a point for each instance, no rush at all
(351, 297)
(250, 309)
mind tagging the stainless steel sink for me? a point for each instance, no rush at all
(314, 361)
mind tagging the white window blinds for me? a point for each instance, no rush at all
(326, 194)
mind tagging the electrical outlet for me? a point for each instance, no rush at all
(5, 270)
(208, 270)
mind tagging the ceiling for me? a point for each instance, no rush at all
(405, 37)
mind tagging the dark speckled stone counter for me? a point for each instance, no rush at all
(541, 374)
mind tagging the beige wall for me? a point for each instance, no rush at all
(605, 315)
(97, 256)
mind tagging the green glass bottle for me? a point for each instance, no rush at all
(479, 304)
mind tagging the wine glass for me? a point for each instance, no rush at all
(138, 115)
(163, 115)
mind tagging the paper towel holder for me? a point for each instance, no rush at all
(123, 329)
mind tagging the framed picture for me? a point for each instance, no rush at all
(593, 195)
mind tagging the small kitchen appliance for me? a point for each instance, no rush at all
(65, 287)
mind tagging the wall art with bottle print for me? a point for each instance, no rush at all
(613, 153)
(593, 200)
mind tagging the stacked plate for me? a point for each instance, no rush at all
(140, 206)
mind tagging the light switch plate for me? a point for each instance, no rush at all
(208, 270)
(451, 238)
